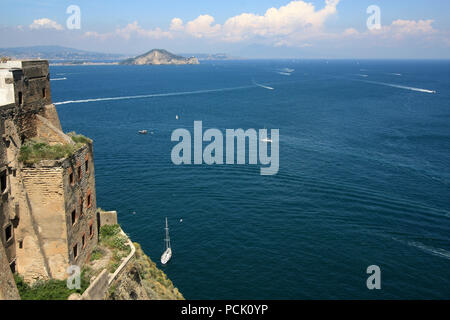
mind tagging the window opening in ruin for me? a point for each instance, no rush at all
(3, 181)
(8, 233)
(74, 217)
(89, 200)
(91, 230)
(71, 180)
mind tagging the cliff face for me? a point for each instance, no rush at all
(142, 280)
(159, 56)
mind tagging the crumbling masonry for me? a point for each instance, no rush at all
(48, 208)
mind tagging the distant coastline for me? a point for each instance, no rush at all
(85, 63)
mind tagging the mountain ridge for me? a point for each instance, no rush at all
(57, 53)
(159, 57)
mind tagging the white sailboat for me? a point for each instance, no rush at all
(168, 252)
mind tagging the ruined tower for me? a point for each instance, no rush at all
(48, 203)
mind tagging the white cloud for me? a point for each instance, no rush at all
(294, 22)
(203, 26)
(412, 27)
(297, 17)
(297, 24)
(351, 32)
(176, 24)
(45, 23)
(397, 30)
(134, 28)
(128, 31)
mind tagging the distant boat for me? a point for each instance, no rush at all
(176, 117)
(143, 131)
(262, 86)
(168, 252)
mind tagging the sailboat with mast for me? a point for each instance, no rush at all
(168, 250)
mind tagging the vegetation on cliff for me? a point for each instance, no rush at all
(33, 151)
(52, 289)
(79, 138)
(143, 273)
(36, 150)
(141, 278)
(111, 237)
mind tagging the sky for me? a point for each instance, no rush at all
(245, 28)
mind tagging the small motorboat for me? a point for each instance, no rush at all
(143, 131)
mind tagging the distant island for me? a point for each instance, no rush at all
(62, 56)
(158, 57)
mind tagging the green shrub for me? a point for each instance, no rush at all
(119, 242)
(109, 231)
(34, 151)
(96, 254)
(111, 237)
(52, 289)
(79, 138)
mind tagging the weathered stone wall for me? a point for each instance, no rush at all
(80, 196)
(29, 256)
(40, 199)
(8, 289)
(44, 187)
(49, 112)
(31, 93)
(107, 218)
(98, 288)
(7, 208)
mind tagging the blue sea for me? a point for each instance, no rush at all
(363, 180)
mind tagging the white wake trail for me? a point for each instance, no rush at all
(58, 79)
(398, 86)
(262, 86)
(154, 95)
(284, 73)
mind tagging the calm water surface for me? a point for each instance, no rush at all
(364, 173)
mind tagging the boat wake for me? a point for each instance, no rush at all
(262, 86)
(284, 73)
(399, 86)
(154, 95)
(434, 251)
(58, 79)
